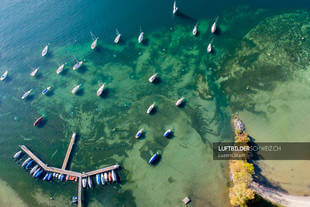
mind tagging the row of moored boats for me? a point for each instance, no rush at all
(101, 179)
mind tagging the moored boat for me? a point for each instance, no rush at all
(106, 179)
(102, 178)
(114, 176)
(29, 164)
(34, 72)
(118, 37)
(61, 177)
(153, 77)
(153, 158)
(4, 75)
(45, 177)
(77, 65)
(44, 51)
(37, 122)
(175, 8)
(150, 109)
(98, 179)
(94, 43)
(139, 133)
(60, 69)
(209, 49)
(76, 88)
(26, 94)
(26, 161)
(141, 36)
(35, 172)
(90, 182)
(38, 174)
(195, 30)
(213, 28)
(34, 169)
(167, 133)
(18, 154)
(100, 90)
(179, 101)
(110, 176)
(46, 90)
(50, 175)
(84, 182)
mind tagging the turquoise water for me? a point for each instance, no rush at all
(238, 77)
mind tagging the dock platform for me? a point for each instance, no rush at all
(65, 163)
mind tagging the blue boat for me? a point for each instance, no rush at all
(45, 177)
(167, 133)
(49, 176)
(62, 176)
(29, 164)
(153, 158)
(102, 179)
(98, 179)
(38, 174)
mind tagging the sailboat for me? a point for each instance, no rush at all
(4, 75)
(118, 37)
(213, 28)
(46, 90)
(26, 94)
(34, 72)
(76, 88)
(195, 30)
(140, 38)
(60, 69)
(179, 101)
(175, 8)
(209, 49)
(139, 133)
(100, 90)
(153, 78)
(37, 122)
(150, 109)
(77, 65)
(44, 51)
(95, 40)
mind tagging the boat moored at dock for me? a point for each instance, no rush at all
(26, 161)
(98, 179)
(90, 182)
(114, 176)
(139, 133)
(34, 169)
(150, 109)
(38, 174)
(110, 177)
(35, 172)
(102, 178)
(29, 164)
(179, 101)
(106, 177)
(4, 75)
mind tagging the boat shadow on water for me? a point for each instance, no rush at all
(49, 55)
(82, 69)
(50, 93)
(157, 81)
(145, 42)
(80, 92)
(42, 123)
(105, 93)
(29, 98)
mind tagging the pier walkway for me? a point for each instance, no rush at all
(68, 172)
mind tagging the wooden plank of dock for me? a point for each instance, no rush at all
(35, 158)
(65, 172)
(102, 170)
(80, 192)
(64, 164)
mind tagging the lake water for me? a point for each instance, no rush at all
(259, 68)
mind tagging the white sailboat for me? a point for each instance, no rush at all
(44, 51)
(175, 8)
(141, 35)
(34, 72)
(4, 75)
(195, 30)
(150, 109)
(209, 49)
(100, 90)
(153, 78)
(60, 69)
(179, 101)
(213, 28)
(94, 44)
(77, 65)
(45, 91)
(26, 94)
(75, 89)
(118, 37)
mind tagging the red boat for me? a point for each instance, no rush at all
(38, 121)
(110, 177)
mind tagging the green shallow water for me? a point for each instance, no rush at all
(239, 77)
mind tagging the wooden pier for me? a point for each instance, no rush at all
(64, 165)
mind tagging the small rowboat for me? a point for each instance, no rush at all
(98, 179)
(140, 38)
(45, 177)
(35, 172)
(139, 133)
(110, 177)
(44, 51)
(49, 176)
(37, 122)
(35, 168)
(167, 133)
(102, 179)
(17, 154)
(26, 161)
(60, 69)
(94, 44)
(29, 165)
(77, 65)
(34, 72)
(195, 30)
(114, 177)
(175, 8)
(118, 37)
(106, 177)
(209, 49)
(153, 78)
(84, 182)
(4, 75)
(26, 94)
(150, 109)
(46, 90)
(153, 158)
(179, 101)
(100, 90)
(76, 88)
(90, 183)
